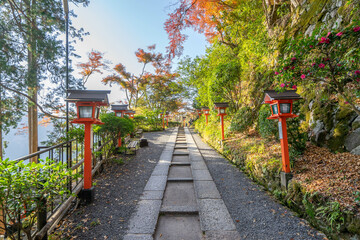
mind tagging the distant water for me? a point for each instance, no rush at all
(18, 144)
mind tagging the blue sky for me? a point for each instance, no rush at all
(119, 27)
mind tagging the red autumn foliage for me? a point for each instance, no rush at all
(201, 15)
(95, 63)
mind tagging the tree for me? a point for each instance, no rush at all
(95, 64)
(201, 15)
(135, 86)
(330, 63)
(34, 27)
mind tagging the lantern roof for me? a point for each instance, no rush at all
(119, 107)
(271, 95)
(88, 96)
(221, 105)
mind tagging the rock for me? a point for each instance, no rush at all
(356, 123)
(312, 102)
(337, 139)
(356, 151)
(315, 132)
(352, 140)
(320, 137)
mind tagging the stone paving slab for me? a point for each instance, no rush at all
(145, 219)
(178, 227)
(180, 172)
(206, 189)
(180, 179)
(181, 152)
(183, 158)
(156, 183)
(138, 237)
(201, 175)
(199, 165)
(223, 235)
(179, 194)
(161, 170)
(215, 216)
(152, 195)
(180, 209)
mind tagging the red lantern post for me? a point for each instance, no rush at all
(88, 104)
(199, 112)
(162, 120)
(119, 112)
(221, 107)
(281, 108)
(167, 119)
(206, 111)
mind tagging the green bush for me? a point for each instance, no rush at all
(24, 187)
(267, 128)
(242, 120)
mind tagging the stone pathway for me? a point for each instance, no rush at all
(180, 200)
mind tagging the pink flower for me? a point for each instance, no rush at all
(339, 34)
(276, 73)
(311, 46)
(339, 65)
(324, 40)
(294, 87)
(281, 71)
(313, 64)
(293, 67)
(346, 102)
(329, 33)
(356, 29)
(293, 59)
(282, 85)
(303, 76)
(321, 65)
(357, 72)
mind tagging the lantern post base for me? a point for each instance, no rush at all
(87, 195)
(285, 179)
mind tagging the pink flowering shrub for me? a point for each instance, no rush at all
(329, 62)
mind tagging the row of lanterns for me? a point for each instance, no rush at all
(281, 104)
(88, 103)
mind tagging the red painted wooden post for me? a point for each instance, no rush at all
(87, 156)
(222, 127)
(284, 146)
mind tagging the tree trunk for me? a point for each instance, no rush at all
(32, 85)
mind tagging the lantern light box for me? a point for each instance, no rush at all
(88, 103)
(119, 109)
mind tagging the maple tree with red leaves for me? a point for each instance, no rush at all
(95, 63)
(136, 86)
(201, 15)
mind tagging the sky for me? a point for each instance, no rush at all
(117, 28)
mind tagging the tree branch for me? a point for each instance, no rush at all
(29, 98)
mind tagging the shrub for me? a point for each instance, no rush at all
(25, 187)
(242, 120)
(267, 128)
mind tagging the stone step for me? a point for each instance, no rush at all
(180, 179)
(177, 171)
(179, 210)
(181, 163)
(174, 226)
